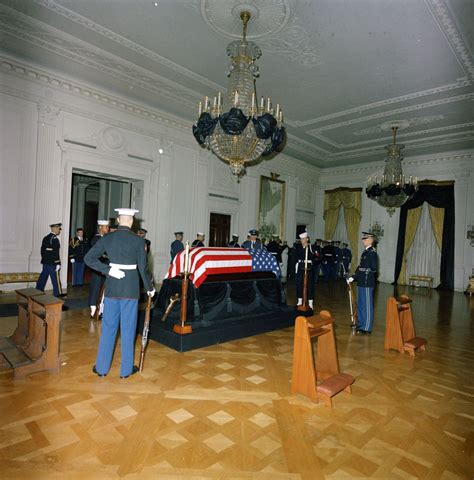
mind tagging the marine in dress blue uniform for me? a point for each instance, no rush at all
(253, 243)
(365, 278)
(177, 245)
(234, 243)
(97, 278)
(346, 257)
(127, 256)
(274, 248)
(50, 260)
(77, 249)
(199, 242)
(300, 255)
(317, 247)
(328, 261)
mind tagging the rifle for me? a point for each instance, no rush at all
(98, 302)
(305, 306)
(184, 329)
(174, 299)
(352, 304)
(146, 329)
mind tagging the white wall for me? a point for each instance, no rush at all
(52, 127)
(454, 166)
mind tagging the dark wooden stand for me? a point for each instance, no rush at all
(183, 329)
(307, 369)
(24, 302)
(399, 329)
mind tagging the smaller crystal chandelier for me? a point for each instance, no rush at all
(392, 189)
(236, 128)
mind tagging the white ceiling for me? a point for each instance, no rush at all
(340, 68)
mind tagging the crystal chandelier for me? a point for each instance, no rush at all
(392, 189)
(237, 128)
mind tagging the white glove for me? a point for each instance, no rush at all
(72, 260)
(116, 273)
(151, 293)
(349, 280)
(58, 267)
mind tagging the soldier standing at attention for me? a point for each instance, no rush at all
(176, 245)
(365, 278)
(97, 278)
(127, 256)
(338, 259)
(346, 258)
(142, 233)
(301, 257)
(253, 243)
(77, 251)
(317, 265)
(234, 243)
(273, 247)
(199, 242)
(51, 261)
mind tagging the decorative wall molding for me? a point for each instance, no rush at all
(47, 113)
(413, 121)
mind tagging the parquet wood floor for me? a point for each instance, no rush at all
(227, 412)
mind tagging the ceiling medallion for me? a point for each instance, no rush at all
(268, 17)
(236, 127)
(392, 189)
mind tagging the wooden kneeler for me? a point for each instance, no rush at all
(399, 329)
(307, 369)
(24, 301)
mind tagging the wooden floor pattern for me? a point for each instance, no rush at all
(226, 412)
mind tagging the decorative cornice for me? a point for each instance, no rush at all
(413, 121)
(48, 113)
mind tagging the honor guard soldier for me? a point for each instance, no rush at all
(365, 278)
(346, 258)
(328, 259)
(51, 261)
(177, 245)
(127, 257)
(304, 253)
(142, 233)
(234, 243)
(317, 247)
(274, 248)
(97, 278)
(77, 251)
(338, 263)
(253, 243)
(199, 242)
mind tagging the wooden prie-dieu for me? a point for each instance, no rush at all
(313, 362)
(399, 328)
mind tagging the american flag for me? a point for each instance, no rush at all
(204, 261)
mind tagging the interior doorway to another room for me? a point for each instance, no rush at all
(219, 230)
(300, 228)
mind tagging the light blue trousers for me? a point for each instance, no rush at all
(365, 308)
(123, 312)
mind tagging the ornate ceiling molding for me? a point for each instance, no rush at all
(413, 121)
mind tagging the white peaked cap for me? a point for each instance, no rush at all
(102, 222)
(200, 234)
(129, 212)
(303, 235)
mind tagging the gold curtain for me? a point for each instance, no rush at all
(437, 222)
(351, 200)
(413, 218)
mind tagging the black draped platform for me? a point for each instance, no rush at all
(223, 308)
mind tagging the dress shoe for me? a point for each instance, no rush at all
(134, 371)
(94, 370)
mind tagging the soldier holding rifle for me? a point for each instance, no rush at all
(305, 259)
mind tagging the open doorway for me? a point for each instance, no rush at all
(219, 230)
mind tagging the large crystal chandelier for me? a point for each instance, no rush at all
(392, 189)
(237, 128)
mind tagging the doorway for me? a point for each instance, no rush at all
(219, 230)
(300, 228)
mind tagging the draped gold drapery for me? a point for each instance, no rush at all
(413, 218)
(351, 200)
(437, 222)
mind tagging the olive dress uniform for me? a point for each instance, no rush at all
(126, 252)
(50, 260)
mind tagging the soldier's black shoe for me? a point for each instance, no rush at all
(62, 295)
(64, 308)
(94, 370)
(134, 371)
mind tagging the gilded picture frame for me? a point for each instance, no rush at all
(271, 209)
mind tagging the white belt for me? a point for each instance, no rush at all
(123, 267)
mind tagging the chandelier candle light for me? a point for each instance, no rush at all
(392, 189)
(237, 128)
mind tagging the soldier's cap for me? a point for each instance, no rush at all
(234, 235)
(129, 212)
(367, 235)
(200, 234)
(318, 240)
(79, 228)
(144, 230)
(253, 231)
(178, 233)
(303, 235)
(102, 222)
(56, 225)
(275, 235)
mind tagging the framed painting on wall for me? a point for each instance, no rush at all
(271, 210)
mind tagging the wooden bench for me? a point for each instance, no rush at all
(24, 301)
(24, 277)
(307, 368)
(399, 328)
(40, 350)
(419, 280)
